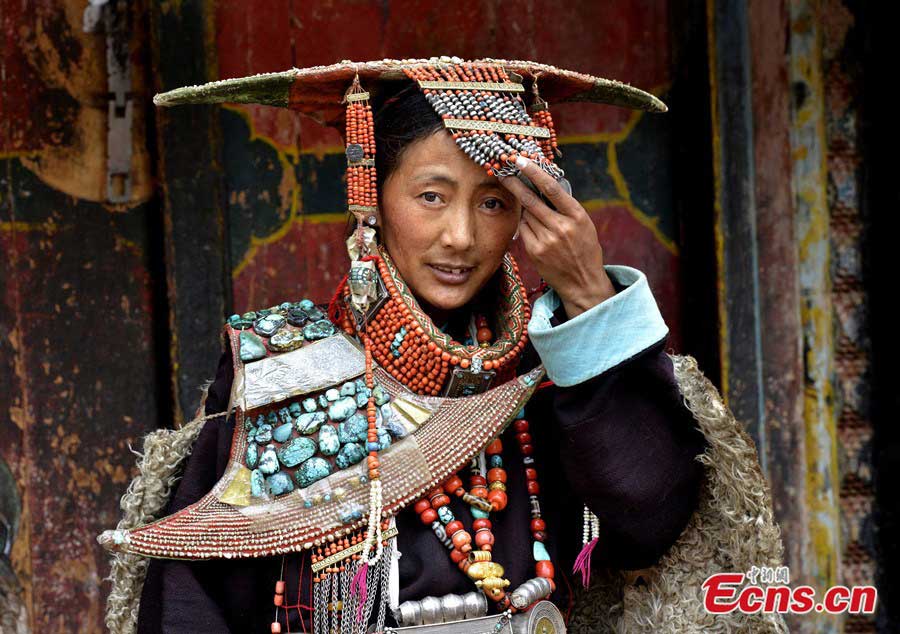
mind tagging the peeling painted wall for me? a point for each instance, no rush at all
(76, 338)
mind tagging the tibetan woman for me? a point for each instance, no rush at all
(430, 450)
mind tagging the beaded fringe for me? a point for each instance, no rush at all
(338, 609)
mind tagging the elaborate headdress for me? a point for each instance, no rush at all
(309, 382)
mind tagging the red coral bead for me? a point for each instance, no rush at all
(497, 475)
(497, 499)
(544, 568)
(453, 485)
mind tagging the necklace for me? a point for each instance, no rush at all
(487, 493)
(407, 344)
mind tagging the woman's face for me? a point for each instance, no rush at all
(445, 222)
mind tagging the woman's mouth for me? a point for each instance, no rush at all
(449, 274)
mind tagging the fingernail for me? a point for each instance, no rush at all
(522, 162)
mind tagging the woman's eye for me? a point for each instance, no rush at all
(434, 197)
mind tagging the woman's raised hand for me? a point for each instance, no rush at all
(562, 244)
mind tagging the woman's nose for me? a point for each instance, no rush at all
(459, 229)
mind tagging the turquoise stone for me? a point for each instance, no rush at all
(342, 409)
(268, 461)
(306, 305)
(333, 394)
(285, 340)
(284, 415)
(269, 325)
(309, 405)
(251, 435)
(296, 451)
(257, 483)
(479, 514)
(282, 433)
(351, 514)
(243, 321)
(312, 470)
(361, 385)
(318, 329)
(349, 455)
(496, 460)
(272, 418)
(328, 441)
(294, 409)
(252, 347)
(252, 456)
(348, 389)
(264, 434)
(384, 439)
(296, 316)
(309, 423)
(381, 397)
(521, 413)
(284, 305)
(323, 402)
(316, 315)
(362, 399)
(279, 483)
(353, 429)
(540, 552)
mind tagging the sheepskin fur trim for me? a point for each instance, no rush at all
(732, 530)
(159, 468)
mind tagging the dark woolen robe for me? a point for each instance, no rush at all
(622, 442)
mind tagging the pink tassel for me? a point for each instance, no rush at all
(583, 562)
(358, 586)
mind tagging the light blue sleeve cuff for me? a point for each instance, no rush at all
(601, 337)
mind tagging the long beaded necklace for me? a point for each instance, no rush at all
(487, 493)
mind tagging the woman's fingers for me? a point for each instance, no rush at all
(530, 200)
(564, 202)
